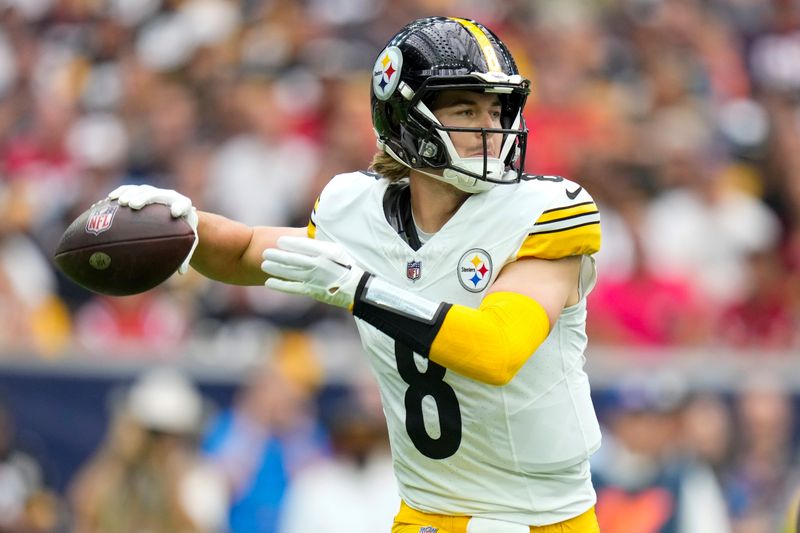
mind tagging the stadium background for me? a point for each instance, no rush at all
(682, 117)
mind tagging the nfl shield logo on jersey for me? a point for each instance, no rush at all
(100, 218)
(414, 270)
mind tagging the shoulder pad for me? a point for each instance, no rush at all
(569, 226)
(338, 191)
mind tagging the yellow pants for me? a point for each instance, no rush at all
(409, 520)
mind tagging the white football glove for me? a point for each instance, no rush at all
(322, 270)
(138, 196)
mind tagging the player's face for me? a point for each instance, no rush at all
(466, 109)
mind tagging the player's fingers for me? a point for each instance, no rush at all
(137, 199)
(291, 287)
(135, 203)
(284, 271)
(315, 248)
(304, 245)
(180, 206)
(148, 194)
(119, 191)
(125, 196)
(294, 244)
(138, 196)
(289, 258)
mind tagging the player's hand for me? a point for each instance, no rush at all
(180, 206)
(322, 270)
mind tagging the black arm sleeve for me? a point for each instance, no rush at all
(415, 332)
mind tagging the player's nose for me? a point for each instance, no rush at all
(492, 139)
(487, 120)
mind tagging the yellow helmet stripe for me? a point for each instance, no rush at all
(483, 41)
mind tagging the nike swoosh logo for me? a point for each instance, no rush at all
(574, 194)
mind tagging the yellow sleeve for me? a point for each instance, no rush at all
(490, 344)
(563, 231)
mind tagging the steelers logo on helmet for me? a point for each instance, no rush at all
(386, 73)
(475, 270)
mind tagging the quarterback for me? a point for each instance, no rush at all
(468, 280)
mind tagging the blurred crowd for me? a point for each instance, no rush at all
(681, 117)
(292, 454)
(286, 455)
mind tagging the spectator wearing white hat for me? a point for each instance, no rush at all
(148, 475)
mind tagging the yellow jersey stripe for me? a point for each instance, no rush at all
(560, 224)
(483, 41)
(311, 229)
(590, 202)
(558, 230)
(576, 240)
(567, 212)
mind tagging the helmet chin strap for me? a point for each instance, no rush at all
(457, 179)
(494, 167)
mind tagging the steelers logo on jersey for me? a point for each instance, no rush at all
(386, 72)
(475, 270)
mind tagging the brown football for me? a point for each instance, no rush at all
(112, 249)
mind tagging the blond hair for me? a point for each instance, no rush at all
(388, 167)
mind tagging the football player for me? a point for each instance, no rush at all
(468, 280)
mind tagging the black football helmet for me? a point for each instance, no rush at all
(438, 54)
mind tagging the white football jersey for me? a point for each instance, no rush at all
(460, 447)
